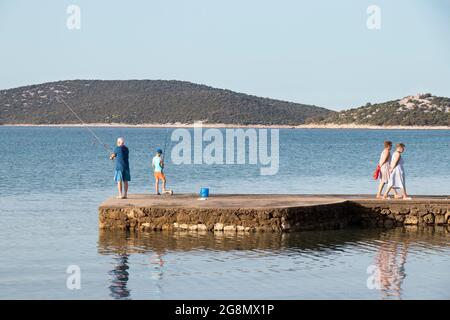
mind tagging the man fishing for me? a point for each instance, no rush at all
(120, 154)
(122, 175)
(158, 167)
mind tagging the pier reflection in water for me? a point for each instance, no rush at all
(325, 264)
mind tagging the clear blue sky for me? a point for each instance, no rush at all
(318, 52)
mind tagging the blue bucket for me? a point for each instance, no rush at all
(204, 192)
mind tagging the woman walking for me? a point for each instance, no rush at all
(385, 160)
(397, 174)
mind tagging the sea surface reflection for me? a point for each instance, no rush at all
(368, 263)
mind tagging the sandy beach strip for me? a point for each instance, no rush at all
(224, 125)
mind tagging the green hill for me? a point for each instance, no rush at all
(161, 102)
(146, 101)
(418, 110)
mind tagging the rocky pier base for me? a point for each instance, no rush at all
(269, 213)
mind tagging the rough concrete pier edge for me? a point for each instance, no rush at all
(269, 213)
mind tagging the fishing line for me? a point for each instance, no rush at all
(104, 145)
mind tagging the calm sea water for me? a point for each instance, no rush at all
(53, 180)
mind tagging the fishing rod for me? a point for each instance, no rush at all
(165, 143)
(104, 145)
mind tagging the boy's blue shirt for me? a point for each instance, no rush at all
(157, 163)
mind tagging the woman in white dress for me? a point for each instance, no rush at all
(385, 160)
(397, 173)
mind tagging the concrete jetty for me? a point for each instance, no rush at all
(269, 212)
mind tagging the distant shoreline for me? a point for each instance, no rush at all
(223, 125)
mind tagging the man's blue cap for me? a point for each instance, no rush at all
(159, 150)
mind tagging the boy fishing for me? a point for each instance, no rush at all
(158, 167)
